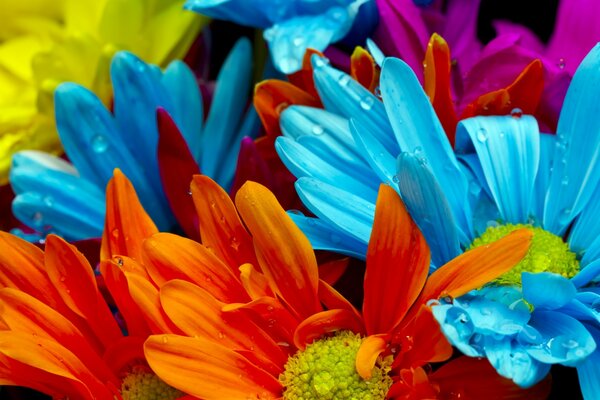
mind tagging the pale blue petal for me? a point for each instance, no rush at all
(508, 150)
(181, 85)
(289, 39)
(573, 181)
(243, 12)
(376, 52)
(472, 162)
(588, 371)
(227, 108)
(458, 328)
(512, 362)
(417, 128)
(380, 161)
(592, 253)
(350, 213)
(304, 163)
(565, 340)
(34, 161)
(493, 317)
(344, 96)
(586, 228)
(428, 207)
(542, 179)
(323, 236)
(545, 290)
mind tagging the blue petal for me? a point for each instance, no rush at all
(57, 202)
(565, 340)
(473, 163)
(588, 273)
(547, 290)
(586, 228)
(181, 84)
(303, 162)
(376, 52)
(592, 253)
(493, 317)
(512, 362)
(39, 161)
(586, 307)
(380, 161)
(459, 329)
(243, 12)
(350, 213)
(575, 177)
(323, 236)
(508, 150)
(289, 39)
(227, 108)
(428, 207)
(542, 179)
(417, 127)
(344, 96)
(588, 371)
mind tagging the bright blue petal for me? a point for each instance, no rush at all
(472, 162)
(588, 273)
(459, 329)
(289, 39)
(181, 84)
(344, 96)
(512, 362)
(565, 340)
(304, 163)
(547, 290)
(428, 207)
(242, 12)
(380, 161)
(588, 371)
(417, 128)
(493, 317)
(350, 213)
(36, 160)
(376, 52)
(592, 253)
(577, 172)
(323, 236)
(542, 179)
(227, 108)
(586, 228)
(508, 150)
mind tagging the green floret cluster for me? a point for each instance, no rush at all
(547, 253)
(143, 385)
(326, 370)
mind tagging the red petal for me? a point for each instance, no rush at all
(332, 271)
(251, 167)
(363, 68)
(304, 78)
(177, 166)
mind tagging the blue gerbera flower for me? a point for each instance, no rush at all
(292, 26)
(504, 175)
(55, 196)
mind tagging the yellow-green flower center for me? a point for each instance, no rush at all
(547, 253)
(142, 384)
(326, 370)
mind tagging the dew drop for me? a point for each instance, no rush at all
(221, 335)
(119, 261)
(165, 340)
(396, 179)
(99, 143)
(516, 113)
(366, 103)
(298, 41)
(482, 135)
(561, 63)
(565, 181)
(319, 62)
(38, 218)
(344, 79)
(63, 278)
(289, 64)
(234, 243)
(317, 130)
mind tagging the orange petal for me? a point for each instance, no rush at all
(475, 378)
(169, 256)
(333, 270)
(315, 326)
(331, 298)
(272, 96)
(304, 79)
(437, 66)
(397, 264)
(284, 253)
(427, 343)
(524, 93)
(363, 68)
(116, 282)
(206, 370)
(72, 275)
(254, 282)
(367, 355)
(50, 357)
(197, 313)
(22, 267)
(147, 298)
(126, 224)
(24, 313)
(271, 316)
(477, 267)
(220, 226)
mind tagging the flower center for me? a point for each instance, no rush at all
(326, 370)
(142, 384)
(547, 253)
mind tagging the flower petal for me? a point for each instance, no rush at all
(363, 68)
(546, 290)
(587, 370)
(319, 324)
(367, 355)
(207, 370)
(284, 253)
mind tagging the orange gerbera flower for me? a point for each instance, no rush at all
(256, 320)
(57, 332)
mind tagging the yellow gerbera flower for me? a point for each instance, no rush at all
(46, 42)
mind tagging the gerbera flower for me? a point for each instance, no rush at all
(515, 175)
(57, 333)
(55, 196)
(253, 310)
(45, 43)
(291, 27)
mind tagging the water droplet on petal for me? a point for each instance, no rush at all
(366, 103)
(317, 130)
(165, 340)
(482, 135)
(298, 41)
(344, 79)
(561, 63)
(99, 144)
(516, 113)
